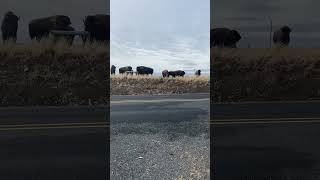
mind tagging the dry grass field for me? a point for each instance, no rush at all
(53, 74)
(137, 85)
(57, 74)
(36, 49)
(265, 74)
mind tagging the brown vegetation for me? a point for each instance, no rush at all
(265, 74)
(137, 85)
(47, 74)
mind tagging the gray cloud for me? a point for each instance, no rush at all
(181, 53)
(162, 34)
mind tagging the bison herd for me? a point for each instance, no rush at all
(224, 37)
(142, 70)
(97, 27)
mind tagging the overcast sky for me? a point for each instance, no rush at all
(251, 18)
(163, 34)
(30, 9)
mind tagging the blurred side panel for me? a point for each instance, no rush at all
(54, 89)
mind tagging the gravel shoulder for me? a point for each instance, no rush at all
(167, 140)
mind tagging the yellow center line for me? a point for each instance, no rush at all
(53, 127)
(265, 119)
(52, 124)
(158, 101)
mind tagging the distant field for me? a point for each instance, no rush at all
(135, 85)
(265, 74)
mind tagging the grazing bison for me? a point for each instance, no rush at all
(9, 27)
(282, 36)
(123, 70)
(142, 70)
(98, 27)
(176, 73)
(113, 69)
(198, 72)
(224, 37)
(165, 73)
(40, 28)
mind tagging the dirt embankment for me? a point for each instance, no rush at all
(265, 74)
(46, 74)
(138, 85)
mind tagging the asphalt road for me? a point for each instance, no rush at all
(164, 137)
(160, 137)
(53, 143)
(265, 140)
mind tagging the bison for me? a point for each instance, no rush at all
(9, 27)
(165, 73)
(40, 28)
(224, 37)
(198, 72)
(176, 73)
(123, 70)
(98, 27)
(113, 69)
(282, 36)
(142, 70)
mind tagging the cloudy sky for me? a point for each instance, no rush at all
(31, 9)
(251, 18)
(163, 34)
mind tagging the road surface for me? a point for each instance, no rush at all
(265, 140)
(53, 143)
(163, 137)
(160, 137)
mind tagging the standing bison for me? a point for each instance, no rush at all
(198, 72)
(123, 70)
(9, 27)
(98, 27)
(113, 69)
(224, 37)
(176, 73)
(142, 70)
(40, 28)
(282, 36)
(165, 73)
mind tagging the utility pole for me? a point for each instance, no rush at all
(270, 36)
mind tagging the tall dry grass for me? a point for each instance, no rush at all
(265, 74)
(46, 46)
(44, 73)
(275, 53)
(135, 85)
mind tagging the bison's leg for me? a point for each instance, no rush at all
(84, 39)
